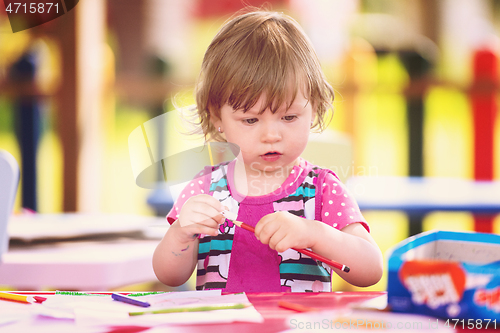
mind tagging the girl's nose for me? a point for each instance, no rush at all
(271, 133)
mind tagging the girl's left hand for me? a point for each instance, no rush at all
(283, 230)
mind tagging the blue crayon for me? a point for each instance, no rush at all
(129, 300)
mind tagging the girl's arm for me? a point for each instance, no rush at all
(174, 260)
(352, 246)
(176, 255)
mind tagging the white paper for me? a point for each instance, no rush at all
(11, 312)
(103, 310)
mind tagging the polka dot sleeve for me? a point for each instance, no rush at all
(339, 208)
(194, 187)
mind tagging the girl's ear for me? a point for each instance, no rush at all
(216, 121)
(313, 116)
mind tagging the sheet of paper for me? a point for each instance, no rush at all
(248, 314)
(103, 310)
(177, 297)
(64, 305)
(11, 312)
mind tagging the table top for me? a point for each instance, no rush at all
(333, 311)
(80, 251)
(276, 319)
(85, 265)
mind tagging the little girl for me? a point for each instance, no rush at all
(261, 88)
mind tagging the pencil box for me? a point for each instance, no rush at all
(453, 275)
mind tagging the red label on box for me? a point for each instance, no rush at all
(433, 283)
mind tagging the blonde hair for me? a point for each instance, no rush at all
(254, 53)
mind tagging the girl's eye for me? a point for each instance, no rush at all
(250, 121)
(289, 118)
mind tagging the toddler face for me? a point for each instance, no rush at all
(269, 142)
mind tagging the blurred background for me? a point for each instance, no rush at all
(407, 76)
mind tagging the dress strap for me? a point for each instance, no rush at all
(319, 191)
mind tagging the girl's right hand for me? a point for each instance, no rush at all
(200, 214)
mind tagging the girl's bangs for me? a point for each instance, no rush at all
(279, 88)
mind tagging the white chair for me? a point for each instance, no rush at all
(9, 179)
(332, 150)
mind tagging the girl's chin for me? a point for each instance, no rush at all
(270, 167)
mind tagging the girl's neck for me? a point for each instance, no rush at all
(250, 181)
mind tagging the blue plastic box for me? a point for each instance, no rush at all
(454, 275)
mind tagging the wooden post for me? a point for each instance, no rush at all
(27, 115)
(65, 33)
(418, 68)
(90, 37)
(484, 108)
(80, 33)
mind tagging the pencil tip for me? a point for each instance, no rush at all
(347, 269)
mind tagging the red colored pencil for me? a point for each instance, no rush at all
(309, 253)
(296, 307)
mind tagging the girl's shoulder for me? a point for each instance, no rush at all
(316, 171)
(210, 171)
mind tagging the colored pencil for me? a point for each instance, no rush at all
(295, 307)
(193, 309)
(309, 253)
(129, 300)
(17, 297)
